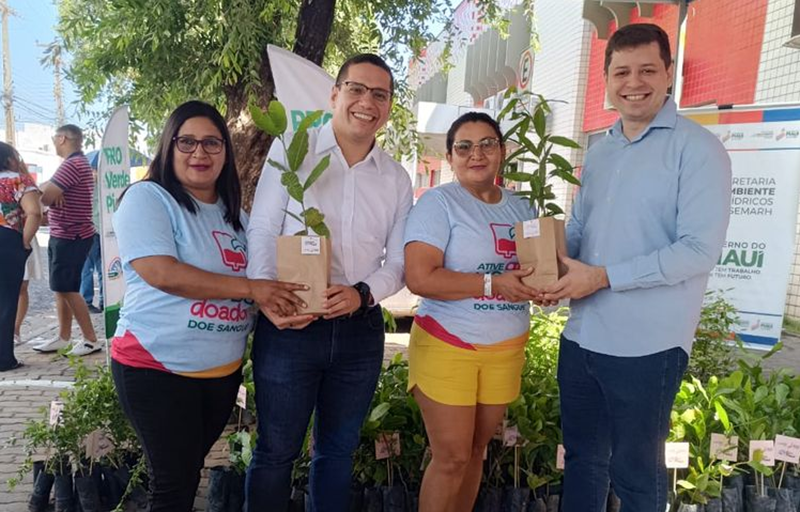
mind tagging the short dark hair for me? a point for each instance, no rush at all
(72, 132)
(471, 117)
(7, 154)
(639, 34)
(365, 58)
(162, 171)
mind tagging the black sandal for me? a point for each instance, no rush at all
(15, 366)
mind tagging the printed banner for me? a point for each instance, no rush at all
(114, 174)
(300, 85)
(754, 267)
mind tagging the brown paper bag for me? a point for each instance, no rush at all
(306, 260)
(545, 237)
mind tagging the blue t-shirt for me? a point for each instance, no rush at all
(198, 338)
(475, 237)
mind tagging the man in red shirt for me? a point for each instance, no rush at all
(69, 196)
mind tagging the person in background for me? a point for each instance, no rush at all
(176, 355)
(466, 349)
(68, 194)
(94, 262)
(20, 215)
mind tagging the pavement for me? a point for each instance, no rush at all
(24, 392)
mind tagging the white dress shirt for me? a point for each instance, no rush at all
(365, 208)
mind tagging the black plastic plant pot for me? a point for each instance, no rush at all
(63, 489)
(753, 502)
(732, 500)
(373, 500)
(111, 489)
(235, 491)
(218, 489)
(42, 485)
(88, 493)
(297, 500)
(553, 503)
(784, 499)
(714, 505)
(537, 505)
(394, 499)
(356, 498)
(792, 482)
(490, 500)
(515, 499)
(736, 482)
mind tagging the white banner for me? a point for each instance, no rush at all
(114, 174)
(754, 267)
(300, 85)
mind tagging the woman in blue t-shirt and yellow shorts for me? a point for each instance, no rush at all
(467, 342)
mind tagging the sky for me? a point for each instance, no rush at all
(34, 25)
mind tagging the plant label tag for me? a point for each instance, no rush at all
(511, 436)
(310, 245)
(767, 449)
(724, 448)
(97, 444)
(56, 407)
(677, 455)
(787, 449)
(560, 452)
(530, 228)
(387, 445)
(241, 397)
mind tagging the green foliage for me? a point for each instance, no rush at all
(90, 405)
(536, 149)
(712, 352)
(274, 123)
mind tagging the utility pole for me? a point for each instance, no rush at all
(52, 57)
(7, 87)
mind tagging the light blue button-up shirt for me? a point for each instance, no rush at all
(654, 211)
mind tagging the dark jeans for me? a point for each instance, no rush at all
(331, 366)
(177, 419)
(92, 265)
(13, 256)
(615, 418)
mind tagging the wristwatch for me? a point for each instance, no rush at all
(366, 296)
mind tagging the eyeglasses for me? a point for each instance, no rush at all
(463, 148)
(211, 145)
(358, 90)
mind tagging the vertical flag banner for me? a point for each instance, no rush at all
(114, 173)
(753, 269)
(300, 85)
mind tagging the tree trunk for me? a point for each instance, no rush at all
(250, 144)
(313, 29)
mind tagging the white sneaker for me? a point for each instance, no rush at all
(51, 345)
(18, 339)
(84, 348)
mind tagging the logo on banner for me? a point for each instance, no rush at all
(504, 243)
(114, 269)
(232, 251)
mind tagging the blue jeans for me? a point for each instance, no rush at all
(330, 367)
(94, 263)
(615, 418)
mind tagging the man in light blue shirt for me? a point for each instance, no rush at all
(646, 229)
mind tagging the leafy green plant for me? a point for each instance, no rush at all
(274, 122)
(713, 352)
(535, 148)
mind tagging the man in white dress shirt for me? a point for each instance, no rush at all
(330, 364)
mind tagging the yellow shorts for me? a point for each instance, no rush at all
(474, 374)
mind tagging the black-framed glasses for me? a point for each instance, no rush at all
(464, 148)
(211, 145)
(359, 90)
